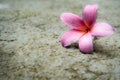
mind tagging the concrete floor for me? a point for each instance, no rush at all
(30, 31)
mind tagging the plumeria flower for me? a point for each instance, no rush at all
(84, 29)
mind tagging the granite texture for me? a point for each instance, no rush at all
(30, 32)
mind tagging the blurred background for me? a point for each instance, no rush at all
(30, 32)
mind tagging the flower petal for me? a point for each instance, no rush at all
(90, 14)
(102, 29)
(70, 37)
(85, 43)
(72, 20)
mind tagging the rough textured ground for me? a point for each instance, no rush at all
(30, 31)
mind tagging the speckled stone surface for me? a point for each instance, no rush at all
(30, 31)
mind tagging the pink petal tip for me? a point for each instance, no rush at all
(86, 44)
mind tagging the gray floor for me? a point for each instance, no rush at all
(30, 31)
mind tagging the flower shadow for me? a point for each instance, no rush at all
(105, 51)
(73, 46)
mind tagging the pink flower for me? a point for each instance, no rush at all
(84, 29)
